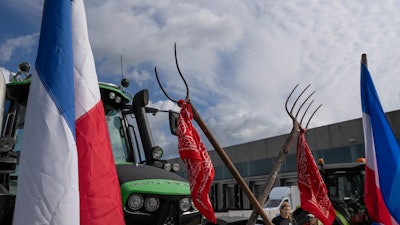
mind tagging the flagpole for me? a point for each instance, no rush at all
(364, 59)
(229, 164)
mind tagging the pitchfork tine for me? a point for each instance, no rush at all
(295, 102)
(313, 115)
(298, 111)
(287, 100)
(180, 73)
(162, 89)
(305, 112)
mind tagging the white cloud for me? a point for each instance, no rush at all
(22, 44)
(242, 58)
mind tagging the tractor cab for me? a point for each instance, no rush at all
(152, 193)
(345, 185)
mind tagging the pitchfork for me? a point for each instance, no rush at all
(297, 125)
(215, 144)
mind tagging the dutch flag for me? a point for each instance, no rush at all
(382, 182)
(67, 173)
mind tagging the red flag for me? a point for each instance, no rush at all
(199, 165)
(313, 193)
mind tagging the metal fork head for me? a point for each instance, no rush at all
(180, 74)
(293, 115)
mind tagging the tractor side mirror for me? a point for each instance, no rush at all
(173, 121)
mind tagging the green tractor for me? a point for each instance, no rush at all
(152, 193)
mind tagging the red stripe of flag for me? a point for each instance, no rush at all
(100, 195)
(377, 210)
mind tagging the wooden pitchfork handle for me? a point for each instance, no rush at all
(229, 164)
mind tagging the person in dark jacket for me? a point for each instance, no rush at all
(285, 217)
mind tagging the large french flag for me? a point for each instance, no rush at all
(66, 171)
(382, 182)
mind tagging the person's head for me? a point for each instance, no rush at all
(313, 219)
(285, 210)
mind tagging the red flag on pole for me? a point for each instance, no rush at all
(313, 193)
(199, 165)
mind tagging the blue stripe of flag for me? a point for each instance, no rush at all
(54, 62)
(386, 146)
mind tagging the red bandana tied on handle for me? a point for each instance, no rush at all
(313, 193)
(199, 165)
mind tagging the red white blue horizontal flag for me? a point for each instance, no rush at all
(382, 182)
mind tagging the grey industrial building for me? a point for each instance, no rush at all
(336, 143)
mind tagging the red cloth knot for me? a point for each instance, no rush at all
(186, 111)
(181, 103)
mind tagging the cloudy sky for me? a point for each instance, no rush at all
(241, 59)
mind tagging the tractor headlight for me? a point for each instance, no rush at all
(135, 202)
(157, 152)
(111, 95)
(118, 99)
(176, 167)
(167, 166)
(184, 204)
(6, 144)
(151, 204)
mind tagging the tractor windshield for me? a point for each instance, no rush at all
(347, 194)
(117, 135)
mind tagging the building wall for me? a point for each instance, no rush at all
(336, 143)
